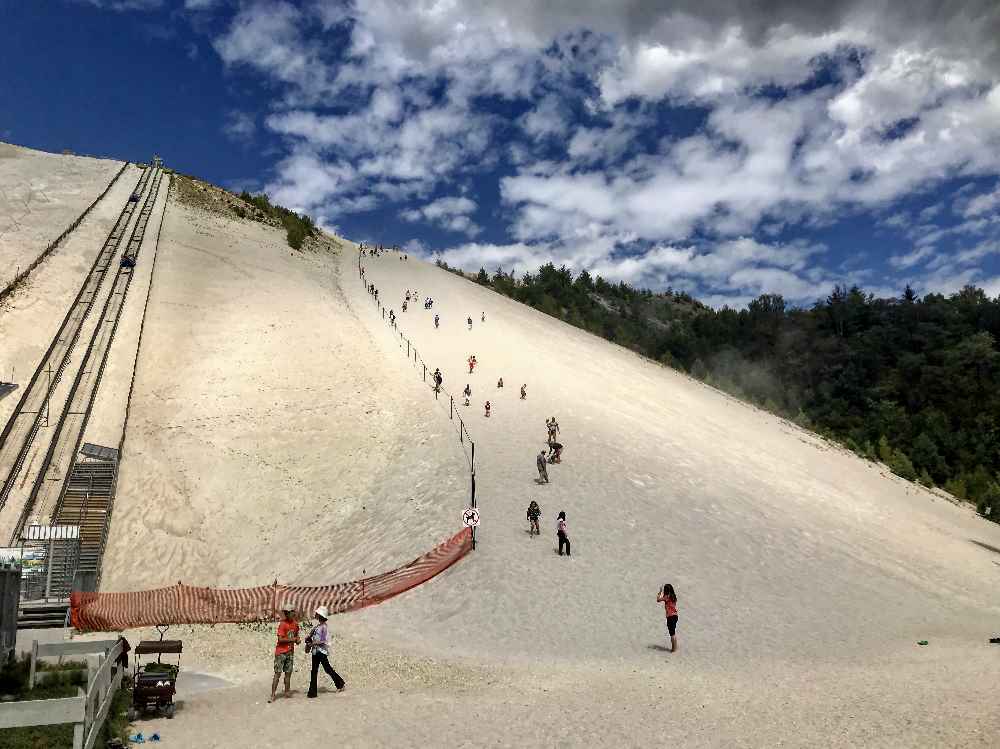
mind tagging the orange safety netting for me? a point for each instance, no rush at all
(185, 604)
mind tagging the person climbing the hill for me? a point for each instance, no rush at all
(669, 600)
(524, 391)
(487, 409)
(555, 452)
(284, 651)
(483, 318)
(534, 512)
(467, 393)
(472, 363)
(438, 379)
(318, 641)
(407, 295)
(470, 323)
(437, 321)
(562, 533)
(543, 471)
(500, 383)
(404, 306)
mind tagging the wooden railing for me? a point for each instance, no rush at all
(88, 710)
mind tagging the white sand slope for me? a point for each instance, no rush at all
(41, 194)
(777, 543)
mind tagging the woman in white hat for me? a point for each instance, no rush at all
(318, 642)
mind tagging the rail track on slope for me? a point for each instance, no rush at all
(21, 431)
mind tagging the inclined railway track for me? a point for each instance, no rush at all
(56, 467)
(19, 435)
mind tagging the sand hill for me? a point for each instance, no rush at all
(277, 430)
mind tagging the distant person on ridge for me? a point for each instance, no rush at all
(543, 471)
(669, 600)
(284, 651)
(534, 512)
(562, 532)
(318, 641)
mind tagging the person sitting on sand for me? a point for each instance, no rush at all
(669, 600)
(562, 533)
(543, 471)
(487, 409)
(500, 383)
(534, 512)
(524, 391)
(318, 641)
(284, 651)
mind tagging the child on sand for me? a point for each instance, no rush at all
(534, 512)
(487, 409)
(562, 532)
(669, 600)
(284, 651)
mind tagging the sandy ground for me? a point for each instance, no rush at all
(40, 195)
(277, 430)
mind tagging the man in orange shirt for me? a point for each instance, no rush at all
(284, 651)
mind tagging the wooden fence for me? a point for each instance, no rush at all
(88, 710)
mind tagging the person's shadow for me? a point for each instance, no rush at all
(661, 648)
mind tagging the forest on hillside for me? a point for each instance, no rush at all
(912, 382)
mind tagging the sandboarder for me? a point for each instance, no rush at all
(543, 471)
(669, 600)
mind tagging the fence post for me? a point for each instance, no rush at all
(473, 475)
(473, 459)
(425, 373)
(451, 407)
(407, 347)
(461, 429)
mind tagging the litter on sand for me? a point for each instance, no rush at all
(921, 642)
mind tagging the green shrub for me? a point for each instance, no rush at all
(900, 464)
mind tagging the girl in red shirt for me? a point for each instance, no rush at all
(669, 600)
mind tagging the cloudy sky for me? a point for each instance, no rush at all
(783, 147)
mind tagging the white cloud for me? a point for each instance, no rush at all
(240, 126)
(449, 213)
(911, 258)
(985, 203)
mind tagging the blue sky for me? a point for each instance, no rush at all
(722, 152)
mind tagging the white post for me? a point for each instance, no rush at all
(34, 661)
(78, 728)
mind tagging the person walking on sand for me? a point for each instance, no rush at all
(483, 318)
(534, 512)
(500, 383)
(284, 651)
(562, 532)
(669, 600)
(543, 471)
(437, 321)
(487, 409)
(524, 391)
(470, 323)
(467, 393)
(319, 642)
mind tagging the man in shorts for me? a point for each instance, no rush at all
(284, 651)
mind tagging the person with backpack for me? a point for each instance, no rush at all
(562, 533)
(669, 600)
(467, 393)
(534, 512)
